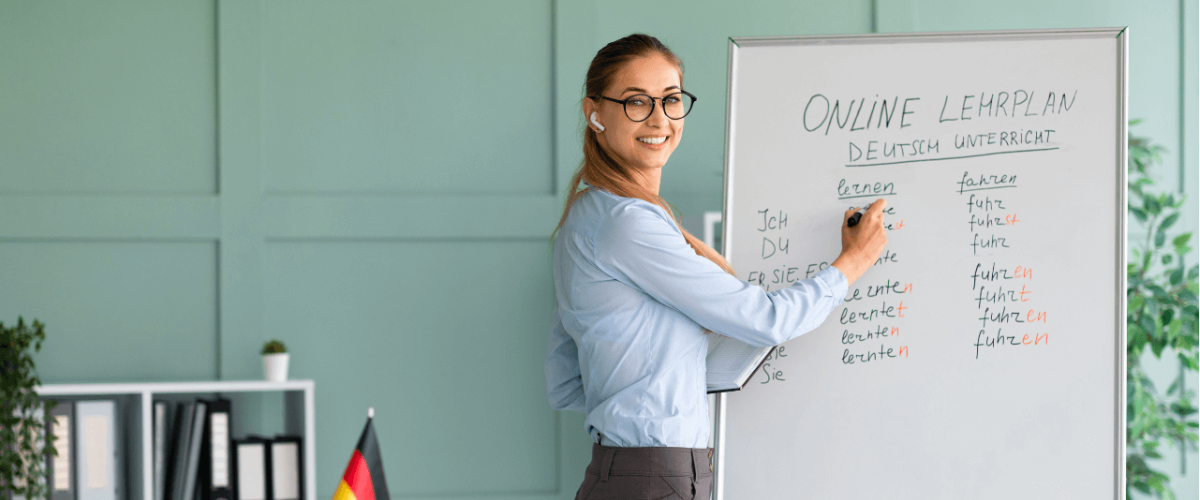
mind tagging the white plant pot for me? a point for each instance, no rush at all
(275, 366)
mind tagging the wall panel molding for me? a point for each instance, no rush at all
(239, 88)
(102, 216)
(428, 216)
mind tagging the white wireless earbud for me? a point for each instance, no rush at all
(596, 123)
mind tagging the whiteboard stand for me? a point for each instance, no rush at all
(711, 219)
(718, 444)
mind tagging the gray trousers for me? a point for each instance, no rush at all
(647, 473)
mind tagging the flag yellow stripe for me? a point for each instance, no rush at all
(344, 492)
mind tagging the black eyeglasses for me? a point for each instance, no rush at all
(639, 107)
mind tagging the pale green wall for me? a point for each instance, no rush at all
(374, 183)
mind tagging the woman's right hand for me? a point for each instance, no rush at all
(862, 244)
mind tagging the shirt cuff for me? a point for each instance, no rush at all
(834, 281)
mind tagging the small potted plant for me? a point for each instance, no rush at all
(275, 361)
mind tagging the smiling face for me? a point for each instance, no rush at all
(648, 144)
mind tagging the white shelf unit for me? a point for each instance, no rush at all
(298, 400)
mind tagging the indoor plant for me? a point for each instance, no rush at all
(1162, 316)
(20, 426)
(275, 361)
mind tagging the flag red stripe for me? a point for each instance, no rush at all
(358, 477)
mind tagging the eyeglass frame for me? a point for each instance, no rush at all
(625, 103)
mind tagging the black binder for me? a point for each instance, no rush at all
(186, 484)
(162, 448)
(178, 454)
(217, 473)
(287, 468)
(192, 480)
(252, 468)
(60, 470)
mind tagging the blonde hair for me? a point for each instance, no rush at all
(602, 170)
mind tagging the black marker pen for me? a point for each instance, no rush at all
(853, 221)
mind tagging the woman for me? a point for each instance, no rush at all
(637, 295)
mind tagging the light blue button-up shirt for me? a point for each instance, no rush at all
(633, 300)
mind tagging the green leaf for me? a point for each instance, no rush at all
(1170, 219)
(1182, 239)
(1137, 340)
(1159, 238)
(1176, 276)
(1157, 343)
(1188, 295)
(1174, 326)
(1166, 259)
(1166, 316)
(1136, 303)
(1151, 206)
(1184, 409)
(1139, 214)
(1147, 324)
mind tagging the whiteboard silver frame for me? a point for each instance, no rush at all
(1122, 36)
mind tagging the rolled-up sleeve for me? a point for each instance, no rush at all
(564, 382)
(642, 248)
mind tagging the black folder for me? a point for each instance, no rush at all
(162, 448)
(60, 423)
(252, 468)
(287, 468)
(216, 479)
(178, 464)
(195, 445)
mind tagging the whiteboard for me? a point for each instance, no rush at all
(982, 357)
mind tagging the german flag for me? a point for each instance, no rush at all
(364, 479)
